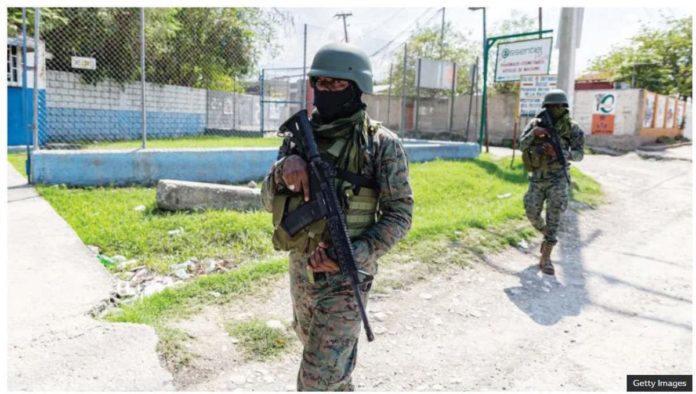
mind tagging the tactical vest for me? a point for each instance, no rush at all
(534, 157)
(359, 195)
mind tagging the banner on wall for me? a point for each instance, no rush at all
(671, 112)
(602, 124)
(648, 110)
(660, 112)
(681, 106)
(603, 112)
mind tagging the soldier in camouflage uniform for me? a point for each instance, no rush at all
(547, 181)
(377, 200)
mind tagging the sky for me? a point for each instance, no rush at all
(373, 28)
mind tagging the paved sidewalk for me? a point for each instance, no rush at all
(54, 280)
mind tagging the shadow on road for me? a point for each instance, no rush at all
(544, 298)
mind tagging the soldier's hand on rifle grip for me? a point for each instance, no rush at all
(540, 132)
(295, 175)
(548, 149)
(319, 261)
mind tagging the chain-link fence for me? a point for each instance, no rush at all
(203, 78)
(200, 79)
(282, 94)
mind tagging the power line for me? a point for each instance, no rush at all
(381, 24)
(403, 31)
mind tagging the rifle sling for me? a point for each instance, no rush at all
(356, 180)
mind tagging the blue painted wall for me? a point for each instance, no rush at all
(74, 124)
(147, 166)
(16, 131)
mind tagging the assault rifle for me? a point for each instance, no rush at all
(324, 203)
(554, 139)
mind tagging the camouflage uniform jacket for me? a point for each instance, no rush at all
(572, 146)
(388, 165)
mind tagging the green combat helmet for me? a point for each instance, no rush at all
(555, 96)
(343, 61)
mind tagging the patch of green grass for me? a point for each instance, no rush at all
(17, 160)
(458, 195)
(585, 189)
(184, 300)
(106, 217)
(258, 341)
(205, 141)
(484, 193)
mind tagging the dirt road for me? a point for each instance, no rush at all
(620, 304)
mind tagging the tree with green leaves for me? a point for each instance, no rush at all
(657, 59)
(425, 42)
(207, 47)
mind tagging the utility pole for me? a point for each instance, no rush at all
(345, 27)
(540, 28)
(570, 30)
(442, 34)
(484, 108)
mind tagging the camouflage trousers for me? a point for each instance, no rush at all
(552, 189)
(327, 321)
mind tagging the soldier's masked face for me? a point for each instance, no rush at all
(556, 111)
(334, 104)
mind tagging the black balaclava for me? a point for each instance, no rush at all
(334, 105)
(557, 113)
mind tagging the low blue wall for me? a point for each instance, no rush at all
(147, 166)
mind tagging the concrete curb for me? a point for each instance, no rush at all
(662, 147)
(660, 156)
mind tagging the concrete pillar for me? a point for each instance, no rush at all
(569, 33)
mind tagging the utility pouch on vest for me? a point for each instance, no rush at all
(527, 160)
(301, 233)
(362, 209)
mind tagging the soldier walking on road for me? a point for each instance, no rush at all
(373, 184)
(547, 181)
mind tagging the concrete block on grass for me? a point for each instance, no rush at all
(175, 195)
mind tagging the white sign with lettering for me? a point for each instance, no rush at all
(533, 88)
(85, 63)
(522, 58)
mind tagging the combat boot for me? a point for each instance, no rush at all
(545, 259)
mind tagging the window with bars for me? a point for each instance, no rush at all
(13, 66)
